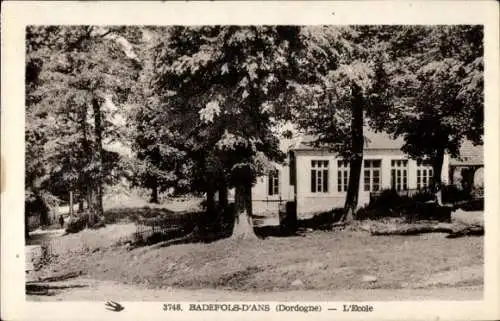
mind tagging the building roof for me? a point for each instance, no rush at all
(469, 155)
(373, 141)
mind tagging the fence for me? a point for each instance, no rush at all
(45, 250)
(403, 193)
(33, 222)
(167, 226)
(449, 194)
(267, 207)
(178, 224)
(58, 245)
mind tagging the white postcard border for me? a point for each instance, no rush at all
(16, 15)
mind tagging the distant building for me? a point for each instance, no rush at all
(467, 170)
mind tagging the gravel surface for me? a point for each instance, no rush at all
(92, 290)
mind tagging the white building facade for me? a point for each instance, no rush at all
(317, 179)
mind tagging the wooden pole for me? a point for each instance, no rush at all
(70, 203)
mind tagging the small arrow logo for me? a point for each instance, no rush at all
(114, 306)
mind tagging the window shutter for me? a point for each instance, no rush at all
(325, 180)
(277, 183)
(313, 181)
(292, 170)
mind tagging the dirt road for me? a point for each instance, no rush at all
(93, 290)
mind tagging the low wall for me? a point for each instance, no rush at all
(310, 205)
(261, 207)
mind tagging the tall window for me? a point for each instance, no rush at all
(273, 187)
(399, 174)
(424, 174)
(372, 175)
(342, 175)
(319, 176)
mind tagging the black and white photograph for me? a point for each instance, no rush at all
(254, 163)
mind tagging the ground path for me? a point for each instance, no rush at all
(92, 290)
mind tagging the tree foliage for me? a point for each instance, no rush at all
(201, 104)
(422, 83)
(74, 75)
(156, 165)
(220, 89)
(436, 81)
(342, 87)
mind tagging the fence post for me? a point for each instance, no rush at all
(71, 203)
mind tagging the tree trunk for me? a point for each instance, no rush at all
(223, 197)
(225, 219)
(356, 161)
(84, 178)
(154, 192)
(26, 228)
(97, 206)
(80, 203)
(70, 203)
(211, 202)
(91, 199)
(243, 225)
(211, 210)
(210, 221)
(351, 202)
(44, 218)
(100, 196)
(44, 211)
(437, 167)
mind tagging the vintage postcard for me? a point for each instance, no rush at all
(221, 160)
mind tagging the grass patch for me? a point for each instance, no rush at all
(317, 261)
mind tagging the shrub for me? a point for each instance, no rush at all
(367, 213)
(99, 224)
(170, 220)
(77, 223)
(321, 221)
(426, 211)
(288, 217)
(422, 196)
(139, 239)
(337, 213)
(473, 205)
(453, 194)
(413, 207)
(388, 198)
(46, 257)
(42, 204)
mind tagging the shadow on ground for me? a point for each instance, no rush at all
(322, 221)
(48, 290)
(135, 214)
(62, 277)
(205, 231)
(319, 222)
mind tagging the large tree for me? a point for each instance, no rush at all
(422, 83)
(436, 79)
(341, 87)
(74, 74)
(154, 165)
(220, 87)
